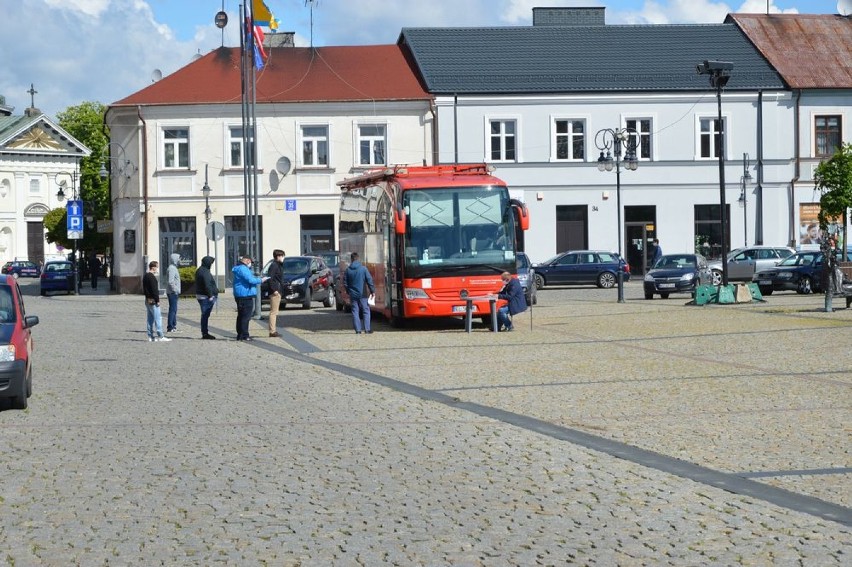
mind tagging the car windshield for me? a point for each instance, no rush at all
(675, 261)
(331, 258)
(58, 267)
(295, 266)
(800, 259)
(523, 261)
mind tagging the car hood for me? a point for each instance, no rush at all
(670, 272)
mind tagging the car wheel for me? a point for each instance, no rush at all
(649, 295)
(306, 304)
(606, 280)
(330, 300)
(43, 292)
(539, 281)
(717, 277)
(805, 286)
(664, 296)
(765, 290)
(20, 401)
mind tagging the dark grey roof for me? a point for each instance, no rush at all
(583, 59)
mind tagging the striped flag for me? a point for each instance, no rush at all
(262, 15)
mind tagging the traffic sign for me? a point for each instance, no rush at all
(215, 231)
(74, 223)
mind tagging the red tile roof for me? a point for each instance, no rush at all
(291, 74)
(810, 51)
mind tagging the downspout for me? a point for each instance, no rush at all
(758, 220)
(456, 126)
(433, 110)
(797, 165)
(144, 168)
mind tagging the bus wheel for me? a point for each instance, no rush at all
(397, 322)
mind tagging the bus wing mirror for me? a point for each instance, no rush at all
(399, 218)
(523, 214)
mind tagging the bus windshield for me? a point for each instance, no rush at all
(458, 229)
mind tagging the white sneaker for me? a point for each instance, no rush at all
(163, 340)
(150, 339)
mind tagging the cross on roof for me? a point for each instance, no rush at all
(32, 92)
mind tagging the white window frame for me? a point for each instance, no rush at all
(554, 135)
(503, 136)
(314, 140)
(372, 139)
(176, 144)
(642, 134)
(726, 126)
(35, 187)
(230, 140)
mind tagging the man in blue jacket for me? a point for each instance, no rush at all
(517, 303)
(245, 290)
(354, 279)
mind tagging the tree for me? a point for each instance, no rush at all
(834, 179)
(86, 123)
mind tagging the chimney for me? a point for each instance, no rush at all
(592, 16)
(32, 112)
(280, 39)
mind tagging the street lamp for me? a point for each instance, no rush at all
(124, 167)
(60, 196)
(207, 212)
(610, 142)
(745, 179)
(720, 73)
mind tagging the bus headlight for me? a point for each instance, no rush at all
(415, 293)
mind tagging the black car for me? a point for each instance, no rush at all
(21, 268)
(800, 272)
(676, 273)
(596, 267)
(306, 279)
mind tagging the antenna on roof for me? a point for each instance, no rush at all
(311, 2)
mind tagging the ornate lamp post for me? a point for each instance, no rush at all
(720, 72)
(207, 212)
(610, 142)
(60, 196)
(745, 179)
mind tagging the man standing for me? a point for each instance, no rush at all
(658, 252)
(173, 291)
(94, 269)
(354, 279)
(276, 288)
(207, 292)
(513, 293)
(151, 288)
(245, 290)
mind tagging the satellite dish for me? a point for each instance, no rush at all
(283, 165)
(156, 75)
(844, 7)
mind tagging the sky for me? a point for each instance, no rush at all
(72, 51)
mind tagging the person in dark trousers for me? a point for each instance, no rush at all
(513, 293)
(151, 288)
(658, 252)
(206, 292)
(245, 290)
(173, 292)
(355, 278)
(94, 269)
(276, 288)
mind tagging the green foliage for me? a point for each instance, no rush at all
(187, 275)
(86, 123)
(834, 179)
(56, 227)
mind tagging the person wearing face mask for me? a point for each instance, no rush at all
(245, 290)
(151, 288)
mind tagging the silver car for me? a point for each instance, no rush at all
(743, 263)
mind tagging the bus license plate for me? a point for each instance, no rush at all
(460, 309)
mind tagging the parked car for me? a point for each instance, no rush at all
(676, 273)
(16, 344)
(597, 267)
(57, 276)
(21, 268)
(743, 263)
(801, 272)
(306, 279)
(332, 260)
(526, 275)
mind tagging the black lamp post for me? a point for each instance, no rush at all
(610, 142)
(720, 73)
(207, 212)
(744, 181)
(60, 196)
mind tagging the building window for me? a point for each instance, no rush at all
(711, 137)
(237, 144)
(176, 147)
(827, 130)
(570, 139)
(315, 146)
(502, 140)
(642, 126)
(35, 186)
(371, 144)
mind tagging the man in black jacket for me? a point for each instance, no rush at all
(276, 287)
(206, 291)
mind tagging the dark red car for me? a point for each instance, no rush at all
(16, 344)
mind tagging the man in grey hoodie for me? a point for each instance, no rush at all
(172, 292)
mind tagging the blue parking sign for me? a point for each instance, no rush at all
(74, 223)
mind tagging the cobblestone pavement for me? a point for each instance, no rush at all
(597, 433)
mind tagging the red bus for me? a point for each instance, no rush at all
(430, 236)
